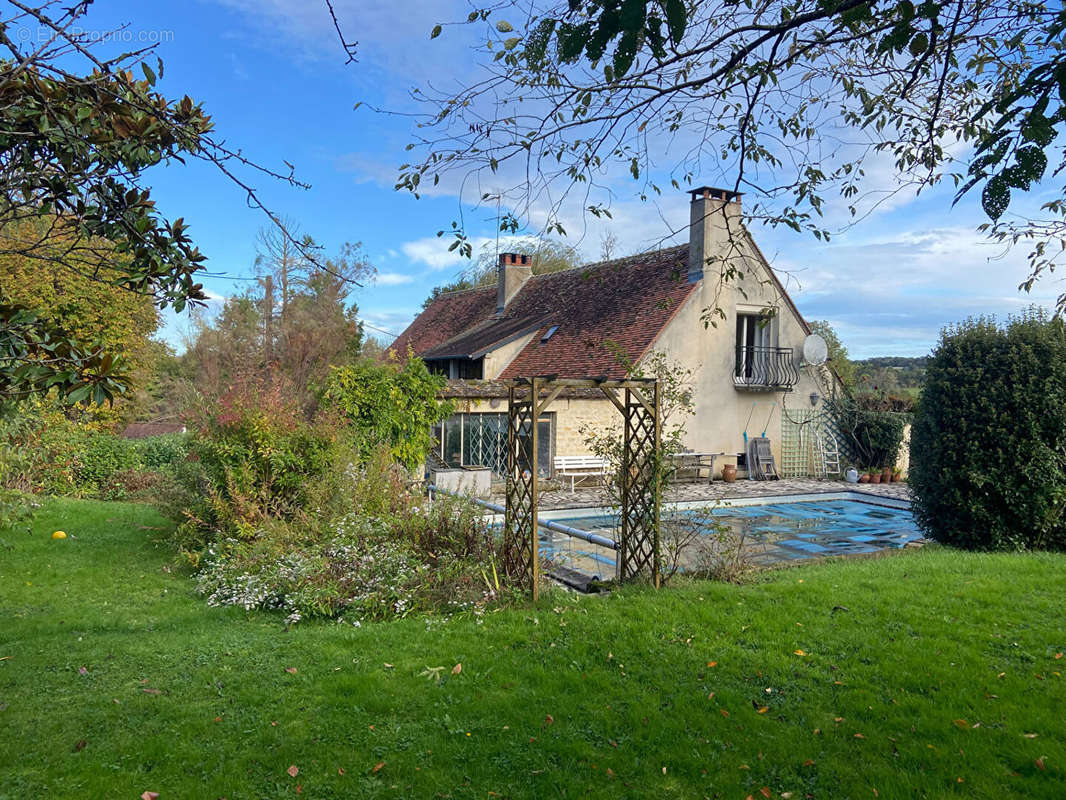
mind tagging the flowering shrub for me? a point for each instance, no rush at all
(365, 568)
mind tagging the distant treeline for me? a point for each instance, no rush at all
(891, 373)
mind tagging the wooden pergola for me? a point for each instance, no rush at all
(528, 398)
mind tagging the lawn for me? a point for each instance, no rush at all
(928, 674)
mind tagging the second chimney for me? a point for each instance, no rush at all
(513, 271)
(714, 219)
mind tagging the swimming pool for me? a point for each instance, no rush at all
(775, 531)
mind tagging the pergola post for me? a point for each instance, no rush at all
(638, 553)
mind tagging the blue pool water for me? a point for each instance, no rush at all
(774, 533)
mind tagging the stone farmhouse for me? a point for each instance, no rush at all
(598, 320)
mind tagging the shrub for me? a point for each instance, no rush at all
(262, 460)
(389, 403)
(100, 456)
(161, 452)
(988, 448)
(870, 439)
(364, 567)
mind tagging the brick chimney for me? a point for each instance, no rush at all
(513, 271)
(714, 216)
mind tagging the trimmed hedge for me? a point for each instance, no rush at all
(988, 447)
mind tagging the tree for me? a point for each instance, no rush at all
(838, 359)
(77, 133)
(988, 448)
(791, 99)
(549, 255)
(290, 347)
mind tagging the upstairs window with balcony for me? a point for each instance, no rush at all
(760, 364)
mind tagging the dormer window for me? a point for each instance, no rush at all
(549, 334)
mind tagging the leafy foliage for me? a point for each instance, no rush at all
(789, 101)
(78, 132)
(548, 255)
(870, 438)
(988, 448)
(838, 360)
(389, 403)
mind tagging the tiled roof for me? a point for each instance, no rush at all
(449, 315)
(608, 314)
(139, 430)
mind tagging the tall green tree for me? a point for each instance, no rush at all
(788, 101)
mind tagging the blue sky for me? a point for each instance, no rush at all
(272, 75)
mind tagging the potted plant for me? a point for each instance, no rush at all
(886, 475)
(864, 478)
(875, 477)
(897, 475)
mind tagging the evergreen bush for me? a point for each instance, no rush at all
(988, 447)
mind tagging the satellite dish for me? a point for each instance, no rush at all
(815, 350)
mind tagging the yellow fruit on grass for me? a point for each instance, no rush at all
(59, 535)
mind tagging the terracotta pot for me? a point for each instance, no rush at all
(729, 473)
(896, 477)
(886, 475)
(875, 478)
(864, 478)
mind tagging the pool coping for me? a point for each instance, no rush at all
(761, 500)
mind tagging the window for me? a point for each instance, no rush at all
(480, 440)
(754, 338)
(467, 369)
(549, 334)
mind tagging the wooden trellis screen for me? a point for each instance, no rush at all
(529, 398)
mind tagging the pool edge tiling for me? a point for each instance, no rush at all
(776, 530)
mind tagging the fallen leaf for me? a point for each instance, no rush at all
(838, 719)
(388, 666)
(1002, 675)
(710, 696)
(293, 771)
(809, 762)
(83, 671)
(299, 788)
(725, 713)
(610, 772)
(548, 719)
(798, 653)
(859, 736)
(786, 795)
(79, 745)
(961, 723)
(1029, 735)
(151, 691)
(149, 796)
(457, 669)
(377, 767)
(664, 770)
(340, 770)
(765, 792)
(764, 709)
(712, 663)
(218, 719)
(1057, 656)
(817, 731)
(1040, 762)
(291, 670)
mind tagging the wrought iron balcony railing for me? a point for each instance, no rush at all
(764, 368)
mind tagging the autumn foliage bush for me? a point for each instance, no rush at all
(315, 515)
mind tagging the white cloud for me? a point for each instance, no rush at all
(392, 279)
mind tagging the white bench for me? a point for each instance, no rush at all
(576, 467)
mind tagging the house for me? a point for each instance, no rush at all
(713, 305)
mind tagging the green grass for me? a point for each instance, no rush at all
(942, 662)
